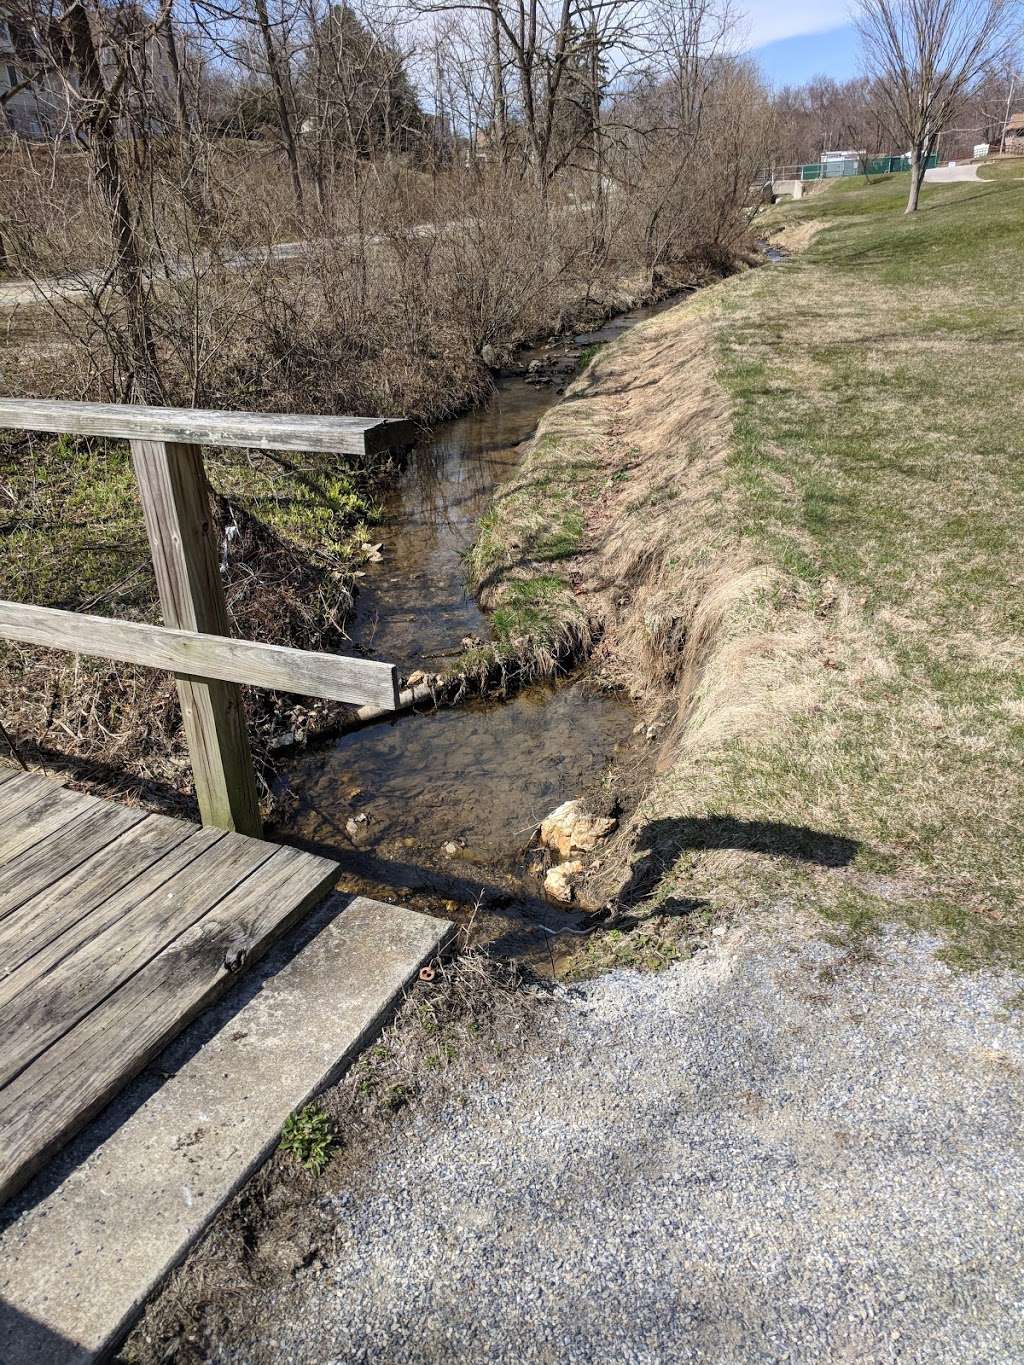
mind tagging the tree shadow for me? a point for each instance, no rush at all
(662, 842)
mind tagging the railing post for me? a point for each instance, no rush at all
(179, 523)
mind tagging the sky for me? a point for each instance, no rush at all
(791, 61)
(799, 39)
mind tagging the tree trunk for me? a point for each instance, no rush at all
(917, 168)
(143, 382)
(597, 145)
(184, 115)
(281, 95)
(499, 128)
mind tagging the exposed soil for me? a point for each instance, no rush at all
(437, 810)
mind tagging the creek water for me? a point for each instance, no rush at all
(479, 777)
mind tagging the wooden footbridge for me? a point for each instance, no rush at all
(118, 926)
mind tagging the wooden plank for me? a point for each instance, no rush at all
(85, 1068)
(41, 814)
(337, 677)
(198, 426)
(20, 790)
(108, 885)
(61, 852)
(179, 524)
(36, 1012)
(118, 1219)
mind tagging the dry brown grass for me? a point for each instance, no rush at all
(801, 548)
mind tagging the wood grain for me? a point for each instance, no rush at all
(198, 426)
(61, 852)
(179, 524)
(32, 1020)
(336, 677)
(86, 1066)
(44, 808)
(136, 859)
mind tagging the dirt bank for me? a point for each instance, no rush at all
(755, 507)
(615, 539)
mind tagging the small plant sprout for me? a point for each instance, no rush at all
(309, 1136)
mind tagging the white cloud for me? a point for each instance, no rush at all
(766, 20)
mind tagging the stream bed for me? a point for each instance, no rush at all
(436, 809)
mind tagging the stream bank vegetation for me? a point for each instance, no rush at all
(324, 209)
(796, 503)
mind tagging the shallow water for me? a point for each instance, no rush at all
(386, 801)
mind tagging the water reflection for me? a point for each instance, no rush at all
(478, 779)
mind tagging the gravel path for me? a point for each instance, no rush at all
(769, 1153)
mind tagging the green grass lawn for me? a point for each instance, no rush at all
(72, 522)
(877, 468)
(1010, 169)
(803, 493)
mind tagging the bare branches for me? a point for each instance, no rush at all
(926, 57)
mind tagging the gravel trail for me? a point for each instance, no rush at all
(769, 1153)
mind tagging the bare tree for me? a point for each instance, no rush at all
(927, 56)
(96, 106)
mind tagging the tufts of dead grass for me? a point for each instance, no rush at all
(797, 534)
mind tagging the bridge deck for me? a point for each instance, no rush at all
(116, 928)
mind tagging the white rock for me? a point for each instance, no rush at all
(571, 828)
(558, 884)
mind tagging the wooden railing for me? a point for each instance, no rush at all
(195, 643)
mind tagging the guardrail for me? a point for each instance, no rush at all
(195, 642)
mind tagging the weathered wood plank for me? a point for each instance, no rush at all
(61, 852)
(197, 426)
(179, 524)
(20, 790)
(108, 886)
(336, 677)
(33, 1016)
(49, 809)
(85, 1068)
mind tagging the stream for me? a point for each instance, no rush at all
(436, 809)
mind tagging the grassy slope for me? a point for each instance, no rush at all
(879, 462)
(1010, 169)
(86, 490)
(846, 582)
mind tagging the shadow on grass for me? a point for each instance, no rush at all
(662, 842)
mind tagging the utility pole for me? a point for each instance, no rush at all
(1006, 118)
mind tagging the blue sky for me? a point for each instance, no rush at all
(800, 38)
(791, 61)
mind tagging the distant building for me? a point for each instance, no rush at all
(1013, 135)
(37, 108)
(841, 163)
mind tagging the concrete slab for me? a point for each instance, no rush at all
(86, 1243)
(951, 175)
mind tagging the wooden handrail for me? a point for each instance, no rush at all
(204, 427)
(195, 642)
(336, 677)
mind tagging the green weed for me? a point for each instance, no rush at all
(309, 1136)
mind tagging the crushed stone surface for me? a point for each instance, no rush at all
(769, 1153)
